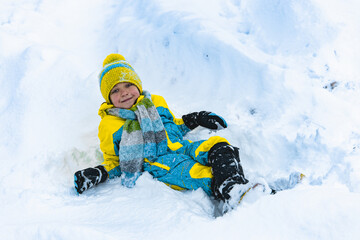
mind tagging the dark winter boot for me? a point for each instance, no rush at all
(89, 177)
(226, 168)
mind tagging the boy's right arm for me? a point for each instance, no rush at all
(111, 165)
(89, 177)
(109, 168)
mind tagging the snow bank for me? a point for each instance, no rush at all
(284, 74)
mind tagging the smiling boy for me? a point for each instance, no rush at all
(138, 132)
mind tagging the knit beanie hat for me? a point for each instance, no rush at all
(116, 70)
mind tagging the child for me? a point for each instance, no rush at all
(138, 132)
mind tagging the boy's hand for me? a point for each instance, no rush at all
(205, 119)
(89, 177)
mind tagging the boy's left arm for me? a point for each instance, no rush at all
(192, 120)
(165, 112)
(205, 119)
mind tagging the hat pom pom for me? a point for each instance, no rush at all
(112, 58)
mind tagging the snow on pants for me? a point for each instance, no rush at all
(185, 165)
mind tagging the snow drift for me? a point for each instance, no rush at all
(284, 74)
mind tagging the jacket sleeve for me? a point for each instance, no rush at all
(165, 112)
(109, 136)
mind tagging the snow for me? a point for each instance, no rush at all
(267, 67)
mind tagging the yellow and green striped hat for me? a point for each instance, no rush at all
(116, 70)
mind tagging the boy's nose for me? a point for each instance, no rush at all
(123, 92)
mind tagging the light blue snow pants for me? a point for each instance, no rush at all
(185, 167)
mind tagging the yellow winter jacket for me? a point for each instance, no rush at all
(110, 131)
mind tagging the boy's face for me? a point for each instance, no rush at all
(124, 95)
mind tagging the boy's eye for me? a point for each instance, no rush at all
(129, 85)
(114, 91)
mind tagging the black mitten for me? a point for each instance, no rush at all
(205, 119)
(89, 177)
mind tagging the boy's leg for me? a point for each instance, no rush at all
(199, 150)
(227, 171)
(224, 161)
(180, 172)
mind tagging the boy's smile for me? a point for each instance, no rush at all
(124, 95)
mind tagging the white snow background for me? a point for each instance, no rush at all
(283, 73)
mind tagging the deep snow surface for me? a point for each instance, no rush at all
(284, 74)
